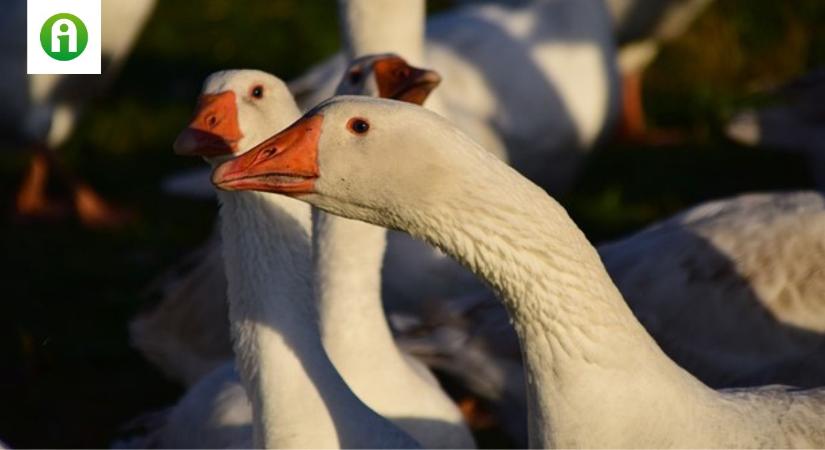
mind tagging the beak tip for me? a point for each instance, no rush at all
(185, 144)
(180, 150)
(194, 142)
(218, 175)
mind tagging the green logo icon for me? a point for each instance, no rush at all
(64, 37)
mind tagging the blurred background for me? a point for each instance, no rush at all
(68, 377)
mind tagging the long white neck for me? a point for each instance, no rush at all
(593, 372)
(348, 255)
(298, 398)
(383, 26)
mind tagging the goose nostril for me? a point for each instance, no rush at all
(212, 121)
(266, 153)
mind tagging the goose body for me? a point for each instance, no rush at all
(214, 413)
(595, 378)
(731, 287)
(186, 335)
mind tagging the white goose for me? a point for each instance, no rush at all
(298, 398)
(41, 111)
(377, 372)
(595, 378)
(186, 335)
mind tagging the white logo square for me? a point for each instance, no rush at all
(63, 36)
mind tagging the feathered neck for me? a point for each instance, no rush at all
(298, 398)
(588, 361)
(266, 254)
(348, 256)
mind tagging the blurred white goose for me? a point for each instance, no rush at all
(595, 378)
(376, 370)
(731, 287)
(795, 124)
(186, 333)
(40, 111)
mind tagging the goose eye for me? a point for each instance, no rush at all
(358, 125)
(257, 92)
(355, 76)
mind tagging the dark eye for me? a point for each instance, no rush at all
(355, 76)
(257, 92)
(358, 125)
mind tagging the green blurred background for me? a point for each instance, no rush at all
(68, 377)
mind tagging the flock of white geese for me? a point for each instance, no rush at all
(280, 331)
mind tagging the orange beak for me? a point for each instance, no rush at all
(214, 130)
(400, 81)
(286, 163)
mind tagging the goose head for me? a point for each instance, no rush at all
(236, 110)
(359, 157)
(388, 76)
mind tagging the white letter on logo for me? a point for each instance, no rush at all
(68, 30)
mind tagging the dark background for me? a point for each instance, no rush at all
(68, 377)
